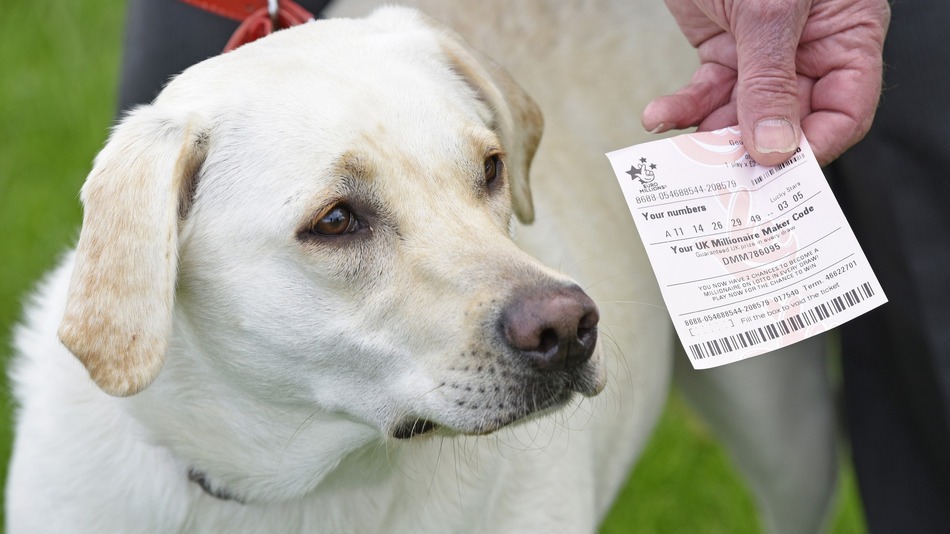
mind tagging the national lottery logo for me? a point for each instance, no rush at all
(645, 172)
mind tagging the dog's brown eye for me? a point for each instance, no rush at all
(337, 221)
(493, 169)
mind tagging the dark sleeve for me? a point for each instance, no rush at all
(164, 37)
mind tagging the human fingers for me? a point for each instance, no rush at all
(843, 54)
(843, 107)
(709, 90)
(767, 36)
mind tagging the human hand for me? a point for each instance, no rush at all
(777, 68)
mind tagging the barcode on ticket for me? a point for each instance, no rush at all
(786, 326)
(794, 159)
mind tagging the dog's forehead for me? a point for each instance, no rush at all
(318, 63)
(333, 100)
(329, 84)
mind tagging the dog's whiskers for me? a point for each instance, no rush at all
(296, 432)
(424, 393)
(637, 302)
(564, 418)
(435, 470)
(458, 476)
(617, 351)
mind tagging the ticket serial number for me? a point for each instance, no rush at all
(714, 187)
(725, 314)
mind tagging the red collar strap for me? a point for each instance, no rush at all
(257, 17)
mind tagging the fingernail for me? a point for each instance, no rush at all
(774, 135)
(660, 128)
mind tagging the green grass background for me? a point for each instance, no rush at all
(58, 66)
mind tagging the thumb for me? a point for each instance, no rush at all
(767, 36)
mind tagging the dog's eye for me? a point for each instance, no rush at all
(337, 221)
(493, 169)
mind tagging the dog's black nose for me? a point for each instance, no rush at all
(554, 329)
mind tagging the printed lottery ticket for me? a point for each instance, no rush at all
(749, 258)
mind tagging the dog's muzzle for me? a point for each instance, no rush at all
(544, 338)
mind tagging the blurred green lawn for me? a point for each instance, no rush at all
(58, 66)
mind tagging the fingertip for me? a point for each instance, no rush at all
(774, 140)
(774, 136)
(650, 120)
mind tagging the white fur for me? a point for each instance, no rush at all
(289, 363)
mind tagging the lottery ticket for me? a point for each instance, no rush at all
(749, 258)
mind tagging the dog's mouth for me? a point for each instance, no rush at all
(412, 427)
(484, 419)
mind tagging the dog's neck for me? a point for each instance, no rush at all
(239, 451)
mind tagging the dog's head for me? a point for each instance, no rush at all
(322, 219)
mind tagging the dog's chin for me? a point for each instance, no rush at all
(415, 427)
(489, 421)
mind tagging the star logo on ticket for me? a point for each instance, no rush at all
(645, 172)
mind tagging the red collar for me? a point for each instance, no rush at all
(257, 19)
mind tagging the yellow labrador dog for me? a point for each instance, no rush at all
(295, 278)
(296, 304)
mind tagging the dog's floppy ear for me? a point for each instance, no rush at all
(119, 308)
(518, 121)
